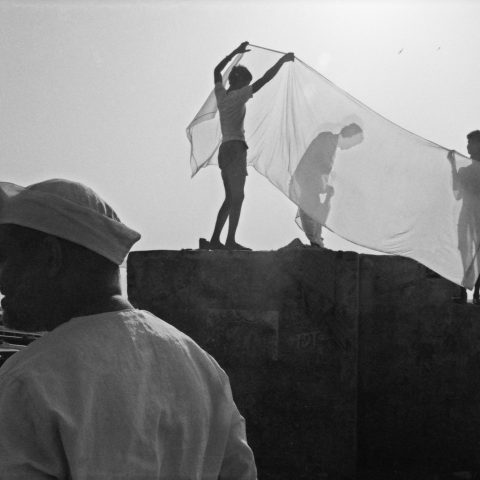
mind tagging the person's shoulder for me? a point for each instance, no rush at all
(239, 93)
(470, 174)
(67, 343)
(176, 339)
(466, 172)
(160, 328)
(219, 88)
(26, 362)
(245, 92)
(326, 135)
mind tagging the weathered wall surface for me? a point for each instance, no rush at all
(284, 330)
(419, 371)
(339, 362)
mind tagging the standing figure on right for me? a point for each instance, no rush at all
(466, 186)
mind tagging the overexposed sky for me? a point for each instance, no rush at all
(101, 92)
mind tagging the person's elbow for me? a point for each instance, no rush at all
(259, 84)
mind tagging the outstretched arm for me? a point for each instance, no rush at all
(270, 73)
(217, 73)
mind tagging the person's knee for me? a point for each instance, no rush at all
(237, 197)
(228, 201)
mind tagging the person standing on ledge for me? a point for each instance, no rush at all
(232, 155)
(466, 187)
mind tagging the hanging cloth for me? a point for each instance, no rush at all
(389, 190)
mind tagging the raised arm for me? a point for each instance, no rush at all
(217, 73)
(455, 179)
(451, 159)
(270, 73)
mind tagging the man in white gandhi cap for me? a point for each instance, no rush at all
(109, 391)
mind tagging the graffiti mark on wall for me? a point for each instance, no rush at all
(310, 340)
(244, 334)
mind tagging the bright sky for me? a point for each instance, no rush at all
(101, 92)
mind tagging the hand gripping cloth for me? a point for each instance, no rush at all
(67, 210)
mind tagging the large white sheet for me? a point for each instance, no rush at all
(395, 192)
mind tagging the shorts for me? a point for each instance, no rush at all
(232, 157)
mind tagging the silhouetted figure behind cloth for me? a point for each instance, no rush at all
(232, 155)
(466, 186)
(310, 181)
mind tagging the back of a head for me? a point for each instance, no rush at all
(351, 130)
(240, 75)
(86, 266)
(64, 247)
(474, 136)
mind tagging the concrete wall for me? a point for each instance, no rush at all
(419, 371)
(339, 362)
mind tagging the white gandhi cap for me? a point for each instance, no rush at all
(68, 210)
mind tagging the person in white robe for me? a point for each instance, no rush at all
(108, 391)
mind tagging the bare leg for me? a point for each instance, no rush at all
(309, 200)
(223, 213)
(476, 290)
(308, 225)
(237, 184)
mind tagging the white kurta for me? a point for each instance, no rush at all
(120, 395)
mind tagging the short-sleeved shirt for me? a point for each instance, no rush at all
(232, 110)
(119, 395)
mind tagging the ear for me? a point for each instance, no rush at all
(54, 258)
